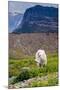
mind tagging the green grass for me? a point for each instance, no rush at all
(39, 83)
(16, 66)
(51, 80)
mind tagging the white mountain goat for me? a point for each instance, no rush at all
(41, 58)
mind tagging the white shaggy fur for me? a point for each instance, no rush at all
(41, 58)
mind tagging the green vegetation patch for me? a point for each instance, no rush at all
(26, 68)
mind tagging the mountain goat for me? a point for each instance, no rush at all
(41, 58)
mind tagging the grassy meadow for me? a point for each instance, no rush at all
(26, 71)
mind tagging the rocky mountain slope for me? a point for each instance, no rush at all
(21, 45)
(39, 19)
(38, 30)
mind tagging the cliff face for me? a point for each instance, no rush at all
(39, 19)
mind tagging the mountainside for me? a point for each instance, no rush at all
(14, 20)
(21, 45)
(39, 19)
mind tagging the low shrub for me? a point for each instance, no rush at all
(24, 75)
